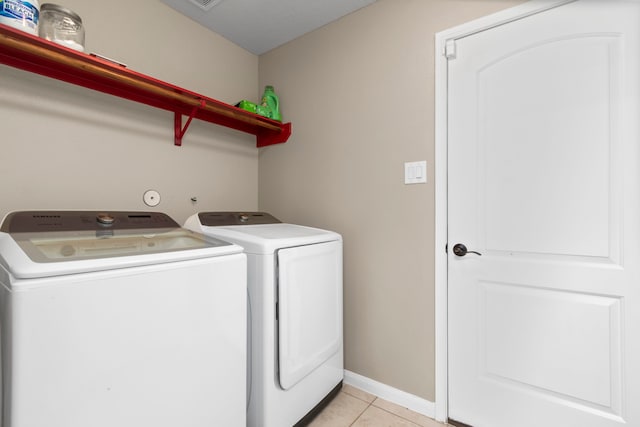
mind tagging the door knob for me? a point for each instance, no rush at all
(461, 250)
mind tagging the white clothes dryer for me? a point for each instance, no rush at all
(120, 319)
(295, 293)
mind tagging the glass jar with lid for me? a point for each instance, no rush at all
(61, 25)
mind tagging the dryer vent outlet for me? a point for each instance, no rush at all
(206, 5)
(151, 198)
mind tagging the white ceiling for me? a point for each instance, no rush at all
(261, 25)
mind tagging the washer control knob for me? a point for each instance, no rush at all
(244, 218)
(105, 219)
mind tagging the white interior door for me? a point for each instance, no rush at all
(544, 182)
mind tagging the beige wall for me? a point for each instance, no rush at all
(65, 147)
(360, 95)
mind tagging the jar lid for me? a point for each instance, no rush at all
(57, 8)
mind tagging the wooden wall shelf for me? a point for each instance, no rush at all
(34, 54)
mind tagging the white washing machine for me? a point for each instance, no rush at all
(120, 319)
(295, 292)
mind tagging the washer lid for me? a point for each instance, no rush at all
(40, 244)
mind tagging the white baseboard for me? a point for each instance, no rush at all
(399, 397)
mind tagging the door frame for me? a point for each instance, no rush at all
(442, 39)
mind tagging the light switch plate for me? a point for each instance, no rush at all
(415, 172)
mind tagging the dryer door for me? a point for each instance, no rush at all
(310, 308)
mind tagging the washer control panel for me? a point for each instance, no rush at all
(55, 236)
(44, 221)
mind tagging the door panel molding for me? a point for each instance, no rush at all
(507, 308)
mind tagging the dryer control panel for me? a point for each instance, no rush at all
(215, 219)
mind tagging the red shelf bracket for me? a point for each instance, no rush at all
(179, 130)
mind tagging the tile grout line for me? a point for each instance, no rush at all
(396, 415)
(362, 400)
(360, 414)
(369, 404)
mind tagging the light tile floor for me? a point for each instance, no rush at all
(353, 407)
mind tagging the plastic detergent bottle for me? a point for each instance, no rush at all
(19, 14)
(270, 100)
